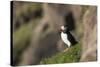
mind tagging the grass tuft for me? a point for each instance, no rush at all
(71, 55)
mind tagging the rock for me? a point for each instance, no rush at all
(89, 42)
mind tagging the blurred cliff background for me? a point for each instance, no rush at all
(36, 36)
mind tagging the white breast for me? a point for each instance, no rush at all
(65, 39)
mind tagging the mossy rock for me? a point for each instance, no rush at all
(69, 56)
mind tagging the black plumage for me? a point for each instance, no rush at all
(70, 36)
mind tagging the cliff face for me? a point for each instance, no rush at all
(86, 31)
(89, 41)
(42, 39)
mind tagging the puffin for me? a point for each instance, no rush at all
(67, 37)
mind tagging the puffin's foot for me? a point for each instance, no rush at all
(66, 50)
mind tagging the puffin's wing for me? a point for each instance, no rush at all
(71, 38)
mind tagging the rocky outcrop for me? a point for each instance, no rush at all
(89, 41)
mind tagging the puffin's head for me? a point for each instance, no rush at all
(63, 28)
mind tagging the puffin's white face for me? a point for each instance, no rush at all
(62, 28)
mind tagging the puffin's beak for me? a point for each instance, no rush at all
(61, 30)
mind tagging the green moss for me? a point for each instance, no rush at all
(71, 55)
